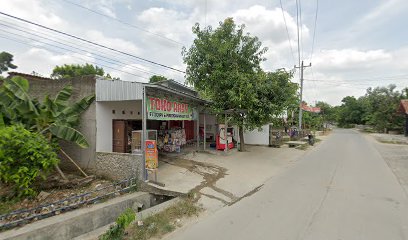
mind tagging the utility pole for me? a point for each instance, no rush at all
(301, 92)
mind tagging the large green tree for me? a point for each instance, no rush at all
(6, 62)
(76, 70)
(223, 64)
(381, 104)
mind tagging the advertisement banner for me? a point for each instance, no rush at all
(310, 109)
(167, 109)
(151, 154)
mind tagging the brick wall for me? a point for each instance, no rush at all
(82, 87)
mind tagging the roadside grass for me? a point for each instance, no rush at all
(163, 222)
(391, 141)
(6, 205)
(306, 146)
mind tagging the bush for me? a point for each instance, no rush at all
(24, 156)
(117, 230)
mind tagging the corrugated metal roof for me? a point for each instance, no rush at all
(118, 90)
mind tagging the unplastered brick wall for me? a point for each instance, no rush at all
(118, 166)
(82, 87)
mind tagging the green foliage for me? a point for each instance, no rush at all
(5, 62)
(53, 117)
(378, 107)
(157, 78)
(224, 66)
(24, 156)
(350, 112)
(117, 230)
(76, 70)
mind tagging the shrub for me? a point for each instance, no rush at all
(24, 156)
(117, 230)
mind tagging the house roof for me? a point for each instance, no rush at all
(404, 106)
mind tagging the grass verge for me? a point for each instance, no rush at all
(163, 222)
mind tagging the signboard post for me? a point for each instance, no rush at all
(151, 155)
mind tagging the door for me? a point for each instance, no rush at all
(119, 136)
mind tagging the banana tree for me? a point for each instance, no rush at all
(54, 117)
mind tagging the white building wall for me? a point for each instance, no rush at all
(257, 137)
(211, 124)
(104, 116)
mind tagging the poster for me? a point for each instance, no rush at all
(167, 109)
(151, 154)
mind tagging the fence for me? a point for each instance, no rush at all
(24, 216)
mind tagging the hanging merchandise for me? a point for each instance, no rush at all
(171, 140)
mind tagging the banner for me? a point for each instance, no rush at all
(166, 109)
(310, 109)
(151, 154)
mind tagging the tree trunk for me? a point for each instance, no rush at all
(241, 139)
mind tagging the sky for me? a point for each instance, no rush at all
(351, 45)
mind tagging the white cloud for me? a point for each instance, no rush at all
(132, 72)
(351, 59)
(116, 43)
(43, 61)
(33, 10)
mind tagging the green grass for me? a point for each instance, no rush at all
(163, 222)
(7, 204)
(391, 142)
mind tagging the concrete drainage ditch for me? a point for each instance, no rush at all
(90, 222)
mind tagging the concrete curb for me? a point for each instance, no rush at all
(76, 223)
(139, 216)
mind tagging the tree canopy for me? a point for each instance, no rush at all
(76, 70)
(224, 66)
(378, 107)
(5, 62)
(157, 78)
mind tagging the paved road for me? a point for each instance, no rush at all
(342, 189)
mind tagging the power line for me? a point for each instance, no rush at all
(123, 22)
(87, 60)
(80, 50)
(90, 42)
(314, 30)
(287, 32)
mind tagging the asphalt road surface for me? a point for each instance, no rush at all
(341, 190)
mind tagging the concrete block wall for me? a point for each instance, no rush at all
(118, 166)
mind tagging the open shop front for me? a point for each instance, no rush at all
(172, 119)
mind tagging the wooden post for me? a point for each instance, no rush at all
(198, 129)
(205, 129)
(225, 134)
(76, 165)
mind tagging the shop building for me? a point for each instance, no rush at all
(126, 113)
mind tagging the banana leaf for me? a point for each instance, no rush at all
(62, 98)
(80, 106)
(18, 86)
(69, 134)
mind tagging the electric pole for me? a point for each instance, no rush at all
(301, 92)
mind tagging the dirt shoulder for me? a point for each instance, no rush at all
(396, 156)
